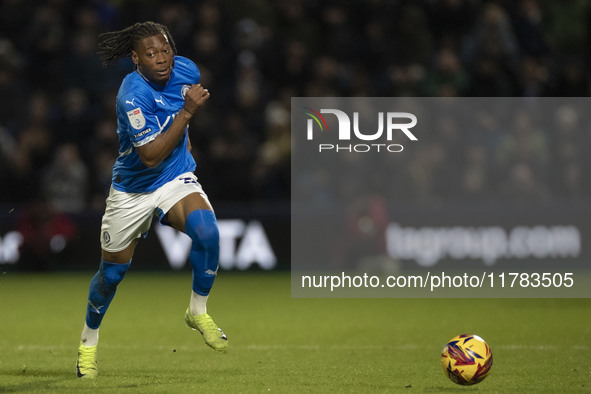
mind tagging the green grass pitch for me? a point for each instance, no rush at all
(279, 344)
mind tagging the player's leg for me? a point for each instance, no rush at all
(127, 218)
(102, 289)
(103, 286)
(194, 216)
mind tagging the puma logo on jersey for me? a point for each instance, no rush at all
(159, 101)
(129, 102)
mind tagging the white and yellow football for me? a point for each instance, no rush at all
(466, 359)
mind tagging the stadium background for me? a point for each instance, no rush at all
(57, 118)
(57, 144)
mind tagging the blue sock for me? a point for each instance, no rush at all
(102, 290)
(201, 225)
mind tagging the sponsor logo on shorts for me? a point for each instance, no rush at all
(106, 237)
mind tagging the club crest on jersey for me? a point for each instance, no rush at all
(185, 89)
(136, 118)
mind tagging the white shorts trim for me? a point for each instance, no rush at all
(129, 215)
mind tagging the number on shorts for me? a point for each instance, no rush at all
(188, 180)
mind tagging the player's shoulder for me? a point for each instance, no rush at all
(186, 67)
(133, 82)
(134, 90)
(184, 63)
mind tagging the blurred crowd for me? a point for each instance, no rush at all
(58, 126)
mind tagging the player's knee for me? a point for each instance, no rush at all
(201, 226)
(112, 274)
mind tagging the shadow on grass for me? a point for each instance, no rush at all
(23, 380)
(58, 381)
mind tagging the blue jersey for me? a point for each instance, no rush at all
(144, 111)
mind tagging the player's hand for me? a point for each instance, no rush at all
(195, 98)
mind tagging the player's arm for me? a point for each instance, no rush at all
(154, 152)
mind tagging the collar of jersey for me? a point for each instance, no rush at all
(153, 85)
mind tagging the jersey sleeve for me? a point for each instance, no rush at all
(138, 112)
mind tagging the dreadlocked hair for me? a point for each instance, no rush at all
(116, 45)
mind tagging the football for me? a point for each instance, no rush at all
(466, 359)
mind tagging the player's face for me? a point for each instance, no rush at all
(153, 56)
